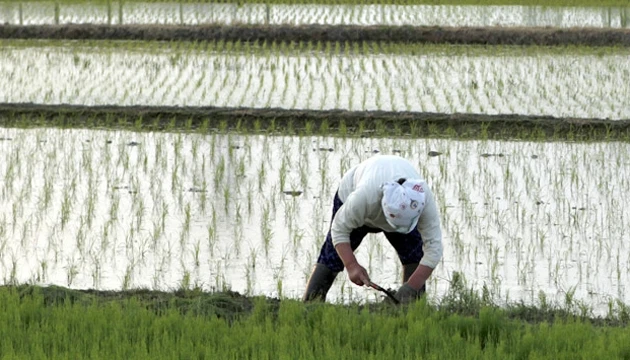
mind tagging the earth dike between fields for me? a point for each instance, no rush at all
(309, 122)
(232, 306)
(326, 33)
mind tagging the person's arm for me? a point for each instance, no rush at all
(419, 277)
(429, 228)
(350, 216)
(356, 272)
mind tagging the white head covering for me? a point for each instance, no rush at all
(403, 204)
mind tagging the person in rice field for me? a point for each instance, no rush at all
(382, 194)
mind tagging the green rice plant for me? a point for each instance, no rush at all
(262, 175)
(113, 208)
(185, 282)
(72, 271)
(12, 279)
(203, 197)
(219, 172)
(139, 213)
(96, 272)
(249, 279)
(227, 194)
(187, 219)
(212, 234)
(127, 277)
(156, 235)
(66, 207)
(266, 229)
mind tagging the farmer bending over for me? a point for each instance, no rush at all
(382, 194)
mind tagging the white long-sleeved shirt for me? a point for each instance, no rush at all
(360, 192)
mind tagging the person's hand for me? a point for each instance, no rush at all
(406, 294)
(358, 274)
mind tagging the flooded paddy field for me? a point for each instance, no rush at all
(113, 209)
(573, 82)
(109, 208)
(195, 13)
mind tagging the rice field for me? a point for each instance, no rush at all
(598, 15)
(575, 82)
(197, 242)
(108, 209)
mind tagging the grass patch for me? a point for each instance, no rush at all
(54, 322)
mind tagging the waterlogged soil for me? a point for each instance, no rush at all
(335, 33)
(309, 122)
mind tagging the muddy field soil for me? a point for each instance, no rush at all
(288, 33)
(328, 122)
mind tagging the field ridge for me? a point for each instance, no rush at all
(326, 33)
(328, 122)
(231, 305)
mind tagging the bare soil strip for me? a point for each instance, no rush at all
(333, 33)
(333, 122)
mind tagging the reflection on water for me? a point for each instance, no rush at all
(580, 83)
(30, 13)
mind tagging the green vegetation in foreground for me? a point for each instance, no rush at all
(52, 323)
(596, 3)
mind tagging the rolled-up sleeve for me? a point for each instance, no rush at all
(349, 216)
(431, 232)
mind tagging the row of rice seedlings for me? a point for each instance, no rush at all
(552, 3)
(507, 224)
(178, 51)
(336, 13)
(511, 83)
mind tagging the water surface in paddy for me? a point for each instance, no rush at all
(32, 13)
(576, 83)
(117, 209)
